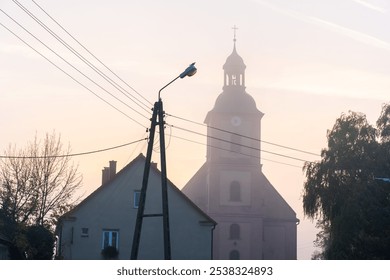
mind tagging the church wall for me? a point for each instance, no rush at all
(221, 199)
(239, 125)
(235, 188)
(279, 240)
(247, 244)
(253, 193)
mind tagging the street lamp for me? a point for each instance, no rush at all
(157, 119)
(190, 71)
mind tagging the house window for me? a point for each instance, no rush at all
(136, 197)
(234, 231)
(234, 255)
(235, 191)
(110, 238)
(84, 232)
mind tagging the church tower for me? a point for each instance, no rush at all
(254, 221)
(236, 115)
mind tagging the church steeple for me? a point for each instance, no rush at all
(234, 111)
(234, 70)
(254, 222)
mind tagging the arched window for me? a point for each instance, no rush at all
(234, 255)
(234, 231)
(235, 191)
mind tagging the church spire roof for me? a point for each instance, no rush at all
(234, 60)
(234, 99)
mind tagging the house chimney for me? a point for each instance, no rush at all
(105, 175)
(109, 172)
(112, 169)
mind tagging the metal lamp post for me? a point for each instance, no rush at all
(157, 119)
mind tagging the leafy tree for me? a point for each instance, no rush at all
(41, 243)
(37, 185)
(27, 242)
(343, 192)
(383, 123)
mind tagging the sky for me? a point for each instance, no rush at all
(308, 61)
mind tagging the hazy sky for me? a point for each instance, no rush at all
(307, 62)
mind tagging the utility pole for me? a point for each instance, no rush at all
(157, 120)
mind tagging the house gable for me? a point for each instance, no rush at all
(110, 210)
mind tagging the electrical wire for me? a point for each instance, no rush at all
(236, 152)
(74, 155)
(136, 148)
(70, 76)
(87, 50)
(238, 144)
(106, 77)
(75, 68)
(241, 135)
(82, 58)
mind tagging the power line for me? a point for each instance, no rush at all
(97, 70)
(76, 154)
(238, 144)
(137, 121)
(223, 149)
(75, 68)
(241, 135)
(70, 76)
(82, 58)
(92, 53)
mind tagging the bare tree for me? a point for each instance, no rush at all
(17, 195)
(39, 182)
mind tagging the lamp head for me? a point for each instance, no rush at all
(190, 71)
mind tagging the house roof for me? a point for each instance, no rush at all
(153, 168)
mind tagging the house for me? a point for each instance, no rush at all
(103, 223)
(254, 221)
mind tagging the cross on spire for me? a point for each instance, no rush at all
(235, 29)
